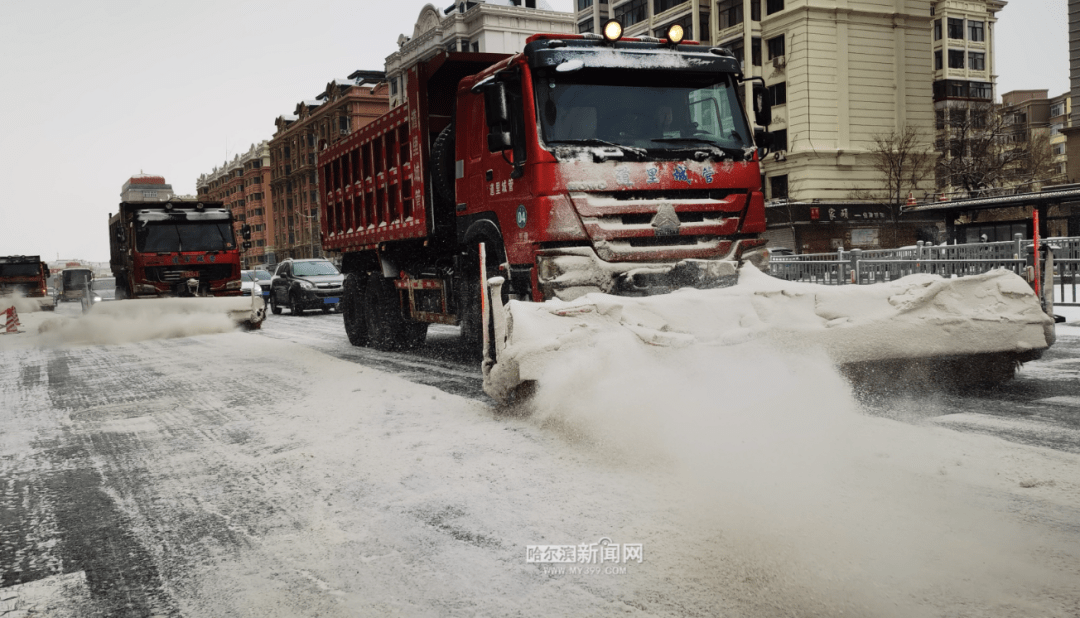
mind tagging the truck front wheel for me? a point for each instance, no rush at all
(382, 312)
(352, 309)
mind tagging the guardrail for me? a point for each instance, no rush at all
(856, 266)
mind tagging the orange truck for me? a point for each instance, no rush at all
(26, 276)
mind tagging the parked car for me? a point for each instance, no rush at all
(250, 278)
(306, 284)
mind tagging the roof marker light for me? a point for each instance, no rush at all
(612, 31)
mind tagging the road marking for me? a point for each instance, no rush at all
(1063, 400)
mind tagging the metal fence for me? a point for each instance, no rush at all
(857, 266)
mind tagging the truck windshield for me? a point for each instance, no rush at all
(20, 270)
(656, 112)
(74, 279)
(172, 236)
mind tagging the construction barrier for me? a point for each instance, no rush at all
(11, 321)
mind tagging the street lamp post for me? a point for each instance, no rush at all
(311, 237)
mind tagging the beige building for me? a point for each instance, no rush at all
(478, 26)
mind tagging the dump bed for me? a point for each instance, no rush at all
(376, 183)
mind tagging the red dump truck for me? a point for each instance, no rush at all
(179, 247)
(583, 163)
(26, 276)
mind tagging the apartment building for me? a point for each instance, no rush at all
(1060, 114)
(242, 184)
(477, 26)
(344, 106)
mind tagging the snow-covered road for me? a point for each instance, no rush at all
(278, 474)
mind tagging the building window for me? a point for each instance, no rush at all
(778, 187)
(938, 64)
(476, 46)
(981, 90)
(773, 6)
(776, 46)
(977, 61)
(779, 140)
(939, 119)
(779, 93)
(1056, 128)
(659, 6)
(631, 12)
(956, 28)
(583, 4)
(1059, 149)
(975, 31)
(755, 10)
(956, 58)
(582, 27)
(937, 29)
(730, 12)
(958, 89)
(1057, 109)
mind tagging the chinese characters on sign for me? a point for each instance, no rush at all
(839, 214)
(601, 552)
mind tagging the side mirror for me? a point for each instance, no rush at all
(763, 139)
(762, 106)
(498, 140)
(245, 231)
(496, 108)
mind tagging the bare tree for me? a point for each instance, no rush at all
(1035, 160)
(980, 149)
(903, 162)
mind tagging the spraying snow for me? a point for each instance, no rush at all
(129, 321)
(795, 499)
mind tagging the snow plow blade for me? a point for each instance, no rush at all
(916, 328)
(246, 311)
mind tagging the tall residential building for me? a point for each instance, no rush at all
(477, 26)
(243, 184)
(344, 106)
(1072, 128)
(1060, 114)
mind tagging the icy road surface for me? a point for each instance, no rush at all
(268, 474)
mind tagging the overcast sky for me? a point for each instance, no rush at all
(97, 91)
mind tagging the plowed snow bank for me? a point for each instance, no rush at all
(913, 317)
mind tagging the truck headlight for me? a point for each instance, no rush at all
(307, 285)
(234, 285)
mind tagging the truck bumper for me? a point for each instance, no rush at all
(570, 272)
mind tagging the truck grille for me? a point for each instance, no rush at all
(173, 274)
(642, 225)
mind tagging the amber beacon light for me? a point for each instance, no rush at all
(675, 34)
(613, 31)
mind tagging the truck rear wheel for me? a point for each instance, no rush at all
(352, 309)
(442, 164)
(382, 313)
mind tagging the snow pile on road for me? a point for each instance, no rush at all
(129, 321)
(917, 316)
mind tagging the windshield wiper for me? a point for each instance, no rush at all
(716, 149)
(593, 141)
